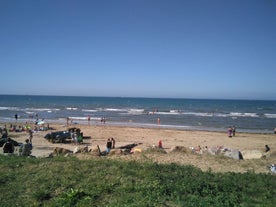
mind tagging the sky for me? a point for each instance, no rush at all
(222, 49)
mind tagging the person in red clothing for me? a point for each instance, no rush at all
(160, 144)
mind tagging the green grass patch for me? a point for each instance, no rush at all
(68, 182)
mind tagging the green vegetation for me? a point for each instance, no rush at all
(63, 181)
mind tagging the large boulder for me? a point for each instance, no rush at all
(115, 152)
(79, 149)
(235, 154)
(251, 154)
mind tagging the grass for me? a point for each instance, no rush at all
(70, 182)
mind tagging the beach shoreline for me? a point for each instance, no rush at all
(171, 138)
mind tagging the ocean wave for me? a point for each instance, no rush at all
(199, 114)
(175, 111)
(237, 114)
(135, 111)
(221, 115)
(78, 118)
(114, 109)
(71, 108)
(166, 113)
(270, 116)
(8, 108)
(89, 110)
(40, 109)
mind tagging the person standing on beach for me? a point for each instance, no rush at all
(234, 131)
(88, 119)
(108, 145)
(31, 135)
(16, 117)
(230, 131)
(158, 121)
(113, 143)
(26, 149)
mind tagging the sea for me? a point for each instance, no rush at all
(258, 116)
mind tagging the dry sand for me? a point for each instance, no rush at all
(170, 138)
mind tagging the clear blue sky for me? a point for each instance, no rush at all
(139, 48)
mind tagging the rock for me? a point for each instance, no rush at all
(181, 149)
(84, 149)
(214, 150)
(251, 154)
(95, 151)
(235, 154)
(115, 152)
(61, 151)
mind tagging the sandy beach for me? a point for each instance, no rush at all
(148, 138)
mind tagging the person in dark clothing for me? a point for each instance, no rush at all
(267, 149)
(234, 131)
(8, 146)
(108, 145)
(5, 133)
(113, 143)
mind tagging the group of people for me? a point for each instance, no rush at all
(9, 145)
(24, 150)
(76, 136)
(110, 144)
(231, 131)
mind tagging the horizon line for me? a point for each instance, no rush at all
(145, 97)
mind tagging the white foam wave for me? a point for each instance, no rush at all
(8, 108)
(166, 113)
(237, 114)
(40, 109)
(198, 114)
(89, 110)
(114, 109)
(175, 111)
(221, 115)
(270, 116)
(30, 112)
(135, 111)
(78, 118)
(71, 108)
